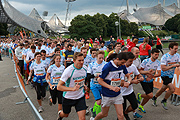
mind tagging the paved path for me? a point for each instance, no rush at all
(9, 96)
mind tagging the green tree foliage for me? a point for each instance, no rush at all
(92, 26)
(173, 24)
(3, 29)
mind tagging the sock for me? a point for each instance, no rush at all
(164, 100)
(98, 110)
(95, 107)
(154, 98)
(134, 113)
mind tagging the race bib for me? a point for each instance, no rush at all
(115, 82)
(71, 59)
(132, 76)
(41, 74)
(56, 80)
(80, 82)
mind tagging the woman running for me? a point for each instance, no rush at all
(39, 80)
(53, 76)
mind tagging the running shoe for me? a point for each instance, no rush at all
(154, 102)
(41, 109)
(87, 95)
(59, 118)
(50, 103)
(127, 117)
(141, 109)
(137, 116)
(164, 104)
(139, 98)
(93, 114)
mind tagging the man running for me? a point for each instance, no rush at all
(72, 83)
(169, 62)
(148, 69)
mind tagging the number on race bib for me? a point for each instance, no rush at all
(56, 80)
(115, 82)
(41, 74)
(80, 83)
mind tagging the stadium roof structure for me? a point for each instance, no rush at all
(56, 25)
(10, 15)
(156, 15)
(35, 15)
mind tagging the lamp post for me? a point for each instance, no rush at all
(120, 24)
(117, 23)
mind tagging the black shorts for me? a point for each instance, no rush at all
(80, 104)
(56, 94)
(132, 99)
(147, 87)
(166, 80)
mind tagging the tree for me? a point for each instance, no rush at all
(133, 28)
(3, 29)
(82, 28)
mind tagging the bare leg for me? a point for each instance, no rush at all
(119, 111)
(102, 114)
(81, 114)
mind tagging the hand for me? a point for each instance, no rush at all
(151, 71)
(176, 65)
(150, 76)
(76, 87)
(86, 88)
(126, 84)
(97, 75)
(148, 79)
(51, 87)
(135, 81)
(141, 78)
(115, 89)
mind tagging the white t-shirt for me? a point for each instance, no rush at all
(56, 73)
(30, 55)
(133, 71)
(137, 63)
(93, 68)
(169, 60)
(147, 64)
(71, 76)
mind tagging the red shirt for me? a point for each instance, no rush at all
(144, 51)
(91, 41)
(122, 42)
(130, 45)
(118, 40)
(128, 40)
(158, 43)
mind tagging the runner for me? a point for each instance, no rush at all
(110, 81)
(53, 76)
(94, 70)
(128, 93)
(39, 80)
(169, 62)
(148, 69)
(72, 83)
(69, 56)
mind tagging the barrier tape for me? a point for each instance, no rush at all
(22, 86)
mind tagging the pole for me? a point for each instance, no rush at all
(67, 13)
(163, 3)
(117, 31)
(127, 7)
(119, 28)
(178, 3)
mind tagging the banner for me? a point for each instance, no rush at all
(176, 82)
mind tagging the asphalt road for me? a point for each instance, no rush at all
(9, 96)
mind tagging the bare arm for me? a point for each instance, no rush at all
(158, 74)
(61, 87)
(165, 68)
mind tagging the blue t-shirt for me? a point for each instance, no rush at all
(111, 73)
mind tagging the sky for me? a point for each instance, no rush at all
(80, 7)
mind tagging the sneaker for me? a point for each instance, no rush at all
(50, 103)
(93, 114)
(127, 117)
(59, 118)
(40, 109)
(154, 102)
(87, 95)
(141, 109)
(136, 116)
(139, 98)
(164, 104)
(91, 118)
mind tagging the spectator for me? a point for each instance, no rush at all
(145, 49)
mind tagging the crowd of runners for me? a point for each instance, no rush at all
(71, 70)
